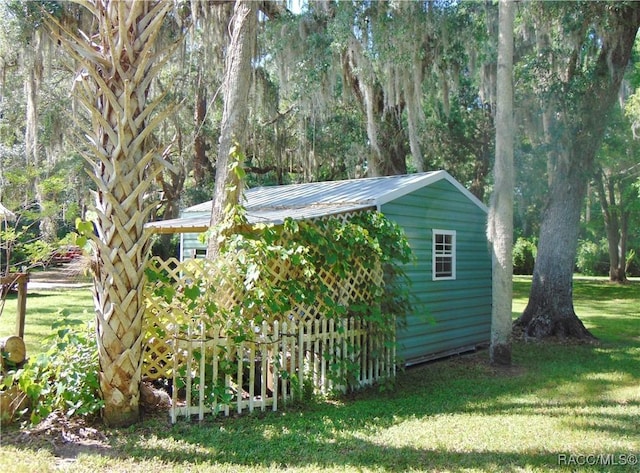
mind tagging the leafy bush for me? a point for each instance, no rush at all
(593, 258)
(524, 256)
(65, 377)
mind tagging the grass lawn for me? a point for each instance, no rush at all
(561, 407)
(42, 308)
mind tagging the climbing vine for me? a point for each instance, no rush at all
(273, 272)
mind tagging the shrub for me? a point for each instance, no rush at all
(524, 256)
(65, 377)
(593, 258)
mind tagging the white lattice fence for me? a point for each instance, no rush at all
(218, 375)
(189, 340)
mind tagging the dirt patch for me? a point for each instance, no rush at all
(65, 438)
(66, 275)
(480, 361)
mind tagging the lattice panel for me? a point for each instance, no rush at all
(170, 316)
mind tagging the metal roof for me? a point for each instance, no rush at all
(273, 204)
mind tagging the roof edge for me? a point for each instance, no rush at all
(426, 180)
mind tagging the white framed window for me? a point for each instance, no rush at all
(444, 254)
(199, 253)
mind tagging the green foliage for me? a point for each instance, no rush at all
(303, 388)
(524, 256)
(8, 238)
(593, 258)
(63, 378)
(305, 250)
(20, 245)
(84, 230)
(38, 252)
(31, 15)
(22, 249)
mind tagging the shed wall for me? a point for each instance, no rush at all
(448, 315)
(190, 242)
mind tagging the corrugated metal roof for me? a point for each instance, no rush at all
(199, 222)
(316, 199)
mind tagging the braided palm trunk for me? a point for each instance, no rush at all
(119, 63)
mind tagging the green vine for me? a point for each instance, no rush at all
(306, 250)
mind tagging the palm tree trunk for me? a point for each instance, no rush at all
(118, 66)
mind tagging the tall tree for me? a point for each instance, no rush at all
(237, 81)
(408, 72)
(616, 172)
(500, 225)
(36, 62)
(581, 53)
(118, 62)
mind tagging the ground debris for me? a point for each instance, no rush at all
(63, 436)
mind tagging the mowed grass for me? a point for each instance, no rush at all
(561, 407)
(43, 307)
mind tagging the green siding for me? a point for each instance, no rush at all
(451, 314)
(191, 241)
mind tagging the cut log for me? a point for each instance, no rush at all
(13, 349)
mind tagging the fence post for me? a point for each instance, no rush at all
(264, 366)
(274, 357)
(252, 370)
(22, 303)
(203, 378)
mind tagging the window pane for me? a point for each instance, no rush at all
(444, 253)
(444, 267)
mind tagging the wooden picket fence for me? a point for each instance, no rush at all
(211, 370)
(218, 375)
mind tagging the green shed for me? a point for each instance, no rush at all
(446, 228)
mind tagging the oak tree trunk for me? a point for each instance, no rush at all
(388, 141)
(550, 310)
(577, 136)
(200, 162)
(500, 224)
(616, 222)
(234, 115)
(393, 143)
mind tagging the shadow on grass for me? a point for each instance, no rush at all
(43, 295)
(590, 389)
(572, 384)
(354, 454)
(344, 434)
